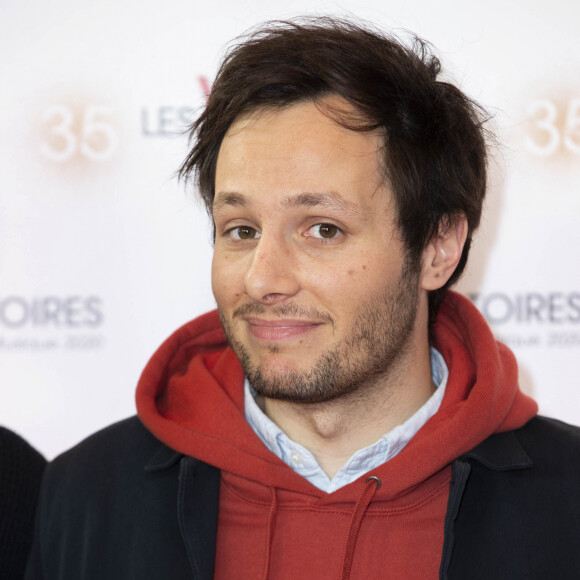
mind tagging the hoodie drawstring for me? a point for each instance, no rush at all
(372, 484)
(270, 531)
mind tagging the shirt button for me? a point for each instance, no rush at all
(296, 457)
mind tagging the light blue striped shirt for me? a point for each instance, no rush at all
(304, 463)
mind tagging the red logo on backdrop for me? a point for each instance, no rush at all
(205, 85)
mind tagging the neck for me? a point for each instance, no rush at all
(334, 430)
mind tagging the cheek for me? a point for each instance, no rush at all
(221, 280)
(347, 286)
(342, 285)
(227, 279)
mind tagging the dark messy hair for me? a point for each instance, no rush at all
(434, 141)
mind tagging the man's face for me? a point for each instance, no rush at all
(309, 271)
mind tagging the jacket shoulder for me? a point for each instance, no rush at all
(516, 511)
(124, 447)
(112, 441)
(550, 441)
(104, 514)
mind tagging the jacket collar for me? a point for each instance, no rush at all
(163, 458)
(501, 452)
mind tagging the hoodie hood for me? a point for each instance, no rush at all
(190, 396)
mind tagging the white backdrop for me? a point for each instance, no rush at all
(103, 254)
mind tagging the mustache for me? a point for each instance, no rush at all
(282, 311)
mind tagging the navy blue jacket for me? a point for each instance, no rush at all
(123, 506)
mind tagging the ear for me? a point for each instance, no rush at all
(443, 252)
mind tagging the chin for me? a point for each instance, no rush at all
(276, 367)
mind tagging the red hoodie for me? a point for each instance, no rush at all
(272, 522)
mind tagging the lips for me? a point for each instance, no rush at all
(280, 329)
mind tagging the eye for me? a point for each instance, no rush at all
(324, 231)
(244, 233)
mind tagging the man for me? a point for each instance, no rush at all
(362, 423)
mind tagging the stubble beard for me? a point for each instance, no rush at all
(379, 338)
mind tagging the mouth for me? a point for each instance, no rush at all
(280, 329)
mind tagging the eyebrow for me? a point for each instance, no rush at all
(228, 198)
(326, 199)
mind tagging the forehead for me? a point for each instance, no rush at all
(298, 150)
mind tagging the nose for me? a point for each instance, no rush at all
(271, 276)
